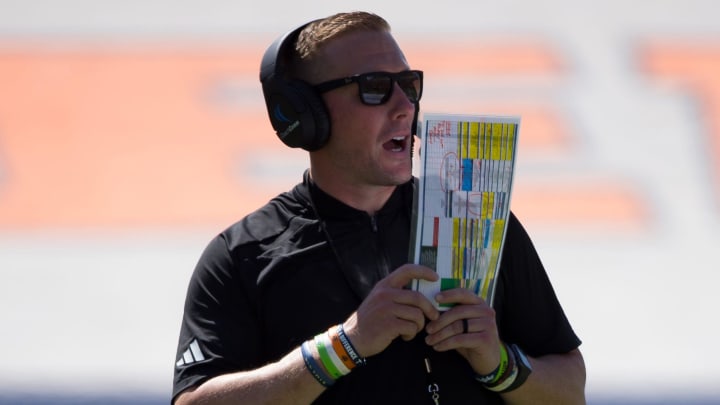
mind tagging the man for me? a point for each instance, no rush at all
(304, 300)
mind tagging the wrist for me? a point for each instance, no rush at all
(346, 347)
(495, 375)
(330, 355)
(516, 373)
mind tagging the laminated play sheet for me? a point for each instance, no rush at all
(463, 200)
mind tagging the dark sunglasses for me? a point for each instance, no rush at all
(376, 88)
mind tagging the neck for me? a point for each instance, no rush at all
(364, 197)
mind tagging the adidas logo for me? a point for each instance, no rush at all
(192, 355)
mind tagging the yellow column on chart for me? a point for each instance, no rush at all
(488, 204)
(484, 140)
(498, 228)
(496, 141)
(464, 143)
(509, 133)
(456, 249)
(473, 140)
(468, 133)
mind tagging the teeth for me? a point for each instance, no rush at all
(396, 144)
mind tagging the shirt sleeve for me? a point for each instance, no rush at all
(216, 312)
(528, 311)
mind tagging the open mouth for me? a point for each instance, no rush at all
(397, 144)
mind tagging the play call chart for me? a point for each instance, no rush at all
(463, 199)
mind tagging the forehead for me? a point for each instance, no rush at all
(361, 52)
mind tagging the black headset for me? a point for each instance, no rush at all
(297, 112)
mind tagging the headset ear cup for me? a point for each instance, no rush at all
(297, 113)
(314, 119)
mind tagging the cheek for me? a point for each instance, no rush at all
(345, 123)
(352, 123)
(341, 111)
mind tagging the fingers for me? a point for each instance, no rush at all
(410, 320)
(394, 285)
(458, 296)
(391, 310)
(471, 322)
(471, 330)
(393, 288)
(405, 274)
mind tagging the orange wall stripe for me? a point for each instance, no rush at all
(159, 136)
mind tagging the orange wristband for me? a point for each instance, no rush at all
(340, 349)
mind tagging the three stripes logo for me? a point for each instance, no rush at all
(192, 355)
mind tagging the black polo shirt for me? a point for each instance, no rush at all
(305, 261)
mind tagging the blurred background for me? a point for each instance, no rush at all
(131, 132)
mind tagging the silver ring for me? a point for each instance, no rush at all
(465, 325)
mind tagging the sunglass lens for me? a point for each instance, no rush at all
(375, 89)
(410, 84)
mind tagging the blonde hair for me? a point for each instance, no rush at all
(318, 33)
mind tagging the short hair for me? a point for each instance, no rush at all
(319, 33)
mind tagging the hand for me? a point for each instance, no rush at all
(480, 345)
(391, 310)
